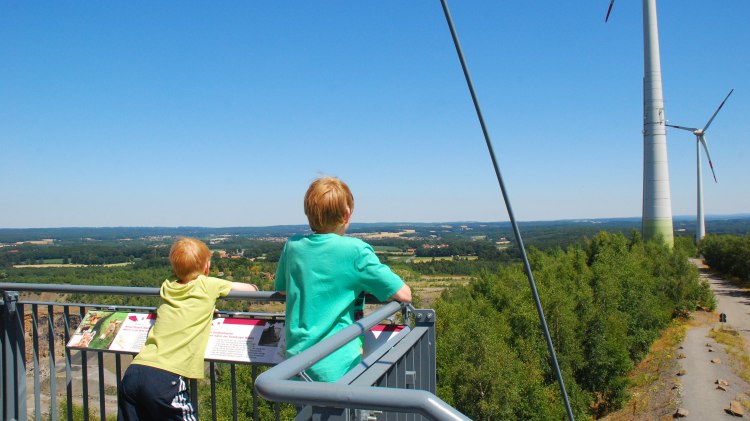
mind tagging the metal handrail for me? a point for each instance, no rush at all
(277, 385)
(13, 389)
(117, 290)
(393, 389)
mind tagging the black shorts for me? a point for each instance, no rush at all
(148, 393)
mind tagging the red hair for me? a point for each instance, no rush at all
(326, 204)
(188, 257)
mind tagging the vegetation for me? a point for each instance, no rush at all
(729, 254)
(606, 298)
(77, 413)
(604, 303)
(735, 347)
(243, 375)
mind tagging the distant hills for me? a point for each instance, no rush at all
(684, 225)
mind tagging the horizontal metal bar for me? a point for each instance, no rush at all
(116, 290)
(346, 396)
(100, 306)
(83, 289)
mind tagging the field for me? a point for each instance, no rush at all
(428, 288)
(442, 258)
(69, 265)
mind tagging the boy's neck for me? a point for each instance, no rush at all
(340, 230)
(182, 281)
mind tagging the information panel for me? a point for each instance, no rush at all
(230, 340)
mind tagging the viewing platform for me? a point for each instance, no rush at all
(43, 378)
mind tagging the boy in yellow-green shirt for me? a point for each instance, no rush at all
(154, 387)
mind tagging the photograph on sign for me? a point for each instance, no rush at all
(97, 330)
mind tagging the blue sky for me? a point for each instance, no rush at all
(220, 114)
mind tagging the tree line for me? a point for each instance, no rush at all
(729, 254)
(604, 302)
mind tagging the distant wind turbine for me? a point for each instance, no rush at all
(700, 139)
(657, 200)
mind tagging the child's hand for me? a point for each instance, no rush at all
(243, 287)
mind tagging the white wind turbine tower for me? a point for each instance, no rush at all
(700, 139)
(657, 201)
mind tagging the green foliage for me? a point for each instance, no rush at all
(728, 254)
(686, 245)
(82, 254)
(243, 375)
(604, 304)
(455, 266)
(77, 413)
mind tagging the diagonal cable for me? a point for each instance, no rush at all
(516, 231)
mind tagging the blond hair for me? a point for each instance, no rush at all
(188, 257)
(326, 204)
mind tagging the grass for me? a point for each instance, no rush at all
(430, 259)
(386, 249)
(651, 381)
(735, 347)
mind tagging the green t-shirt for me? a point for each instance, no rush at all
(322, 275)
(177, 342)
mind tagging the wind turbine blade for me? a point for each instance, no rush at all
(717, 110)
(609, 10)
(708, 155)
(690, 129)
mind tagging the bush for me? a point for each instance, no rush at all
(729, 254)
(604, 304)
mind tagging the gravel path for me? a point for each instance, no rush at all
(699, 393)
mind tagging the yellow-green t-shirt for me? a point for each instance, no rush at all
(177, 342)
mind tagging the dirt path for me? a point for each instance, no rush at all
(705, 360)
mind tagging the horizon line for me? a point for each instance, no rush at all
(712, 216)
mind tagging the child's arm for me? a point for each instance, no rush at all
(403, 295)
(243, 287)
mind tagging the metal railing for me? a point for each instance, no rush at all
(403, 377)
(42, 379)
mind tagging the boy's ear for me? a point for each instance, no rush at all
(207, 267)
(347, 216)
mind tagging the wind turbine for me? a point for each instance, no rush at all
(657, 201)
(700, 139)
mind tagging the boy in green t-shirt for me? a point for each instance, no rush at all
(323, 273)
(154, 387)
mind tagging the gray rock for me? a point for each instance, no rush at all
(681, 413)
(735, 408)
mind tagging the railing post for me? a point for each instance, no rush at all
(14, 359)
(427, 376)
